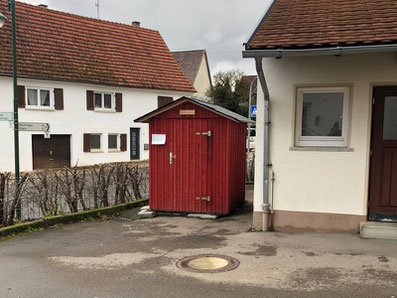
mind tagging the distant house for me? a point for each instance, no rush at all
(195, 65)
(88, 79)
(326, 148)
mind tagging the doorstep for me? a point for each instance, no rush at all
(378, 230)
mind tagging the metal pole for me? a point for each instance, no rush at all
(249, 114)
(11, 6)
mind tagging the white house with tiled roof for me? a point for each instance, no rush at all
(88, 79)
(326, 148)
(195, 65)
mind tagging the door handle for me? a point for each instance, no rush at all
(172, 157)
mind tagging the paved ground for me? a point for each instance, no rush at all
(125, 258)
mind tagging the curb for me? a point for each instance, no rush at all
(69, 218)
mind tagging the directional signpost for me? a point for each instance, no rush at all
(34, 126)
(6, 116)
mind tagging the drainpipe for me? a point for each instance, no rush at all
(266, 156)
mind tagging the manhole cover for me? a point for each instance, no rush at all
(208, 263)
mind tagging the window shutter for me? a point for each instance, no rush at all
(163, 100)
(90, 100)
(119, 102)
(87, 142)
(58, 99)
(21, 97)
(123, 142)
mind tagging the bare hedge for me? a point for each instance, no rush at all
(69, 190)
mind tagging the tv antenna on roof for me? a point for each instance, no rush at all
(97, 9)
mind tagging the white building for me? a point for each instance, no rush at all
(330, 88)
(88, 79)
(195, 65)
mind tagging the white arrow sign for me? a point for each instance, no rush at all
(6, 116)
(34, 126)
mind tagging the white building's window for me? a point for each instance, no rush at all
(322, 116)
(104, 101)
(113, 142)
(38, 97)
(95, 142)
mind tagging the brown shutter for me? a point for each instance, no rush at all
(90, 100)
(58, 99)
(21, 97)
(123, 142)
(163, 100)
(119, 102)
(87, 143)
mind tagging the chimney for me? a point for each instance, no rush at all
(135, 23)
(43, 5)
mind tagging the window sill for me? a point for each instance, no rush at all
(102, 110)
(33, 108)
(322, 149)
(96, 151)
(114, 151)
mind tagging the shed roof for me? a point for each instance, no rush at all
(323, 23)
(54, 45)
(209, 106)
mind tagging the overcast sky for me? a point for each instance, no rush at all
(219, 26)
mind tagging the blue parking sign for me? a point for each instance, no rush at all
(253, 111)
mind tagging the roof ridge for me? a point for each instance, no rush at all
(201, 50)
(83, 17)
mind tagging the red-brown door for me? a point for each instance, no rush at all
(188, 165)
(51, 153)
(383, 180)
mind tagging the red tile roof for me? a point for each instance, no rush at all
(55, 45)
(322, 23)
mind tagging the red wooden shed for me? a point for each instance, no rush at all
(197, 157)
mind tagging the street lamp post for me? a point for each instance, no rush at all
(3, 19)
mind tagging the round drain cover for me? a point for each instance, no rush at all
(208, 263)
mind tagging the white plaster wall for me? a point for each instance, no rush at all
(203, 81)
(329, 182)
(75, 120)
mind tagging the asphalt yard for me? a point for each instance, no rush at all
(125, 257)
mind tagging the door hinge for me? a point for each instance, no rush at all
(207, 133)
(207, 199)
(373, 100)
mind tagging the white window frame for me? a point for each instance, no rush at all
(39, 106)
(102, 108)
(100, 143)
(118, 142)
(322, 141)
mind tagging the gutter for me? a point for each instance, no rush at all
(266, 152)
(328, 51)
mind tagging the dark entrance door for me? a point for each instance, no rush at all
(383, 181)
(51, 153)
(135, 142)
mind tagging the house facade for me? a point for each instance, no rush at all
(88, 79)
(196, 67)
(326, 143)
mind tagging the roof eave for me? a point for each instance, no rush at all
(267, 12)
(325, 51)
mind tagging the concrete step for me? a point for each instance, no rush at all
(378, 230)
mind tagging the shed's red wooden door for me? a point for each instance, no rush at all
(383, 184)
(189, 143)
